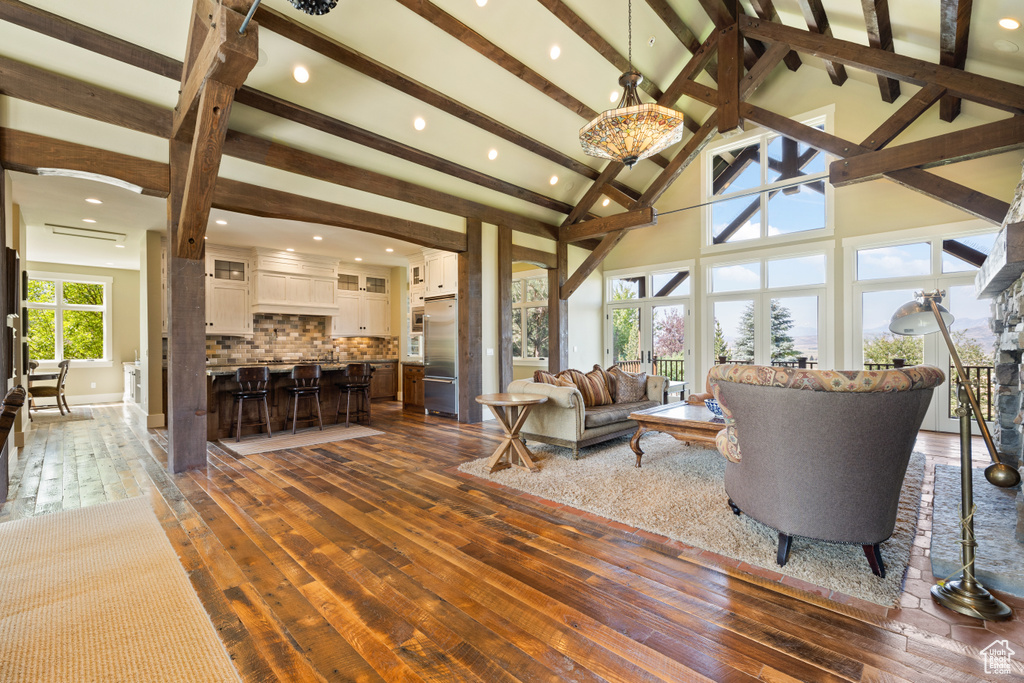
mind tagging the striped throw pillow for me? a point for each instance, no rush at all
(542, 377)
(591, 385)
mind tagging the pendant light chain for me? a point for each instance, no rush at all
(630, 35)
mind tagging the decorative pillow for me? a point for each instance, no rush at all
(591, 385)
(609, 380)
(543, 377)
(630, 387)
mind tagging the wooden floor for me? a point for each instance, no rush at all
(371, 559)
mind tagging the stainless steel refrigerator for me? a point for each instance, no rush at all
(440, 355)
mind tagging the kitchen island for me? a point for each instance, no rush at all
(220, 382)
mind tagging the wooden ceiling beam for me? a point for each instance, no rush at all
(971, 143)
(922, 100)
(988, 91)
(590, 264)
(964, 252)
(722, 13)
(537, 257)
(300, 34)
(730, 71)
(682, 32)
(690, 151)
(954, 33)
(725, 177)
(765, 9)
(599, 227)
(674, 281)
(817, 22)
(879, 28)
(946, 191)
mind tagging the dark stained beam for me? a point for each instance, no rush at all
(954, 33)
(739, 164)
(594, 192)
(470, 324)
(682, 32)
(690, 151)
(724, 12)
(558, 311)
(817, 21)
(590, 264)
(976, 88)
(300, 34)
(922, 100)
(673, 282)
(765, 9)
(964, 252)
(504, 307)
(730, 70)
(970, 143)
(541, 259)
(879, 28)
(946, 191)
(598, 227)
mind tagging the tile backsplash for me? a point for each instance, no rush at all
(278, 336)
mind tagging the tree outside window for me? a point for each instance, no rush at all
(67, 319)
(530, 317)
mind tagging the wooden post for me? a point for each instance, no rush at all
(186, 335)
(471, 324)
(504, 307)
(558, 311)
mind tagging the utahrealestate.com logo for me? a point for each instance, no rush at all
(997, 657)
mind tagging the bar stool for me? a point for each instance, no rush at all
(252, 382)
(307, 385)
(356, 380)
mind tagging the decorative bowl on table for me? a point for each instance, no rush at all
(712, 405)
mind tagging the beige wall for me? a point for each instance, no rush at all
(124, 313)
(871, 208)
(150, 328)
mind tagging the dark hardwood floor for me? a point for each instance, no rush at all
(373, 559)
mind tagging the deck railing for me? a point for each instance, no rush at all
(978, 376)
(673, 368)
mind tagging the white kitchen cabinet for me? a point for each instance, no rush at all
(227, 292)
(299, 284)
(441, 273)
(363, 303)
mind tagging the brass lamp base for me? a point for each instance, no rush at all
(970, 599)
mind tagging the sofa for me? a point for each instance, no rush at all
(821, 454)
(564, 421)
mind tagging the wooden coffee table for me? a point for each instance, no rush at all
(690, 423)
(511, 411)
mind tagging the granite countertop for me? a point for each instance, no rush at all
(413, 363)
(286, 366)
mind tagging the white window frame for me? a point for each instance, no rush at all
(535, 274)
(59, 307)
(824, 115)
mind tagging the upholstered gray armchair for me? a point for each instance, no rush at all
(821, 454)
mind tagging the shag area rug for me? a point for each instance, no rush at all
(679, 493)
(77, 414)
(311, 436)
(98, 594)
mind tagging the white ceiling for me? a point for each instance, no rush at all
(388, 32)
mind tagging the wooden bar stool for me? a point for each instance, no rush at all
(307, 386)
(252, 382)
(356, 380)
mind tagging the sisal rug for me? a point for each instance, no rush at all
(77, 414)
(311, 436)
(98, 594)
(679, 493)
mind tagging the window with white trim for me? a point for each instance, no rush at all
(68, 317)
(764, 187)
(530, 315)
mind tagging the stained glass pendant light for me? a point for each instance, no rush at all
(633, 130)
(314, 7)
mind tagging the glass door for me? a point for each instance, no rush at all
(627, 332)
(668, 353)
(975, 343)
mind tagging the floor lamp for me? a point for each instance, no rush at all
(965, 595)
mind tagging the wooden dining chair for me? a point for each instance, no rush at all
(307, 386)
(253, 383)
(55, 391)
(356, 380)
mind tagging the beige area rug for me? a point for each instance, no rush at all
(98, 594)
(51, 416)
(259, 443)
(679, 493)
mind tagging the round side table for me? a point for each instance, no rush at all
(511, 411)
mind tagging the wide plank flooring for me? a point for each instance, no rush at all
(373, 559)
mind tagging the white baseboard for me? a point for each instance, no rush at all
(155, 421)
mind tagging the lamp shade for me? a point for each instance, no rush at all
(915, 318)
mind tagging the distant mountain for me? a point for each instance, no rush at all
(976, 327)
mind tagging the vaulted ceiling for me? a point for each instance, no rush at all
(480, 78)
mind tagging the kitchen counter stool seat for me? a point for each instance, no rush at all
(307, 386)
(252, 385)
(356, 381)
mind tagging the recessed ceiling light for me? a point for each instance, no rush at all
(554, 179)
(614, 96)
(119, 246)
(317, 237)
(205, 237)
(88, 220)
(555, 51)
(358, 258)
(419, 123)
(221, 222)
(289, 249)
(606, 202)
(300, 74)
(1006, 46)
(1009, 24)
(389, 250)
(93, 200)
(492, 155)
(481, 3)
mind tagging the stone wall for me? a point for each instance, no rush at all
(1008, 324)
